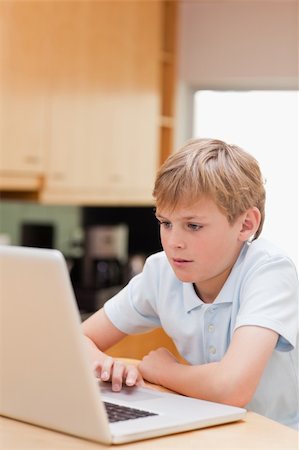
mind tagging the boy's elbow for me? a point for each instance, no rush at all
(237, 399)
(237, 394)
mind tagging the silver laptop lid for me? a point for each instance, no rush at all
(53, 389)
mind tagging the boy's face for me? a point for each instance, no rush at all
(200, 244)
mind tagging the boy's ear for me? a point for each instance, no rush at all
(250, 223)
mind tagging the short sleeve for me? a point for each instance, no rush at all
(269, 298)
(133, 309)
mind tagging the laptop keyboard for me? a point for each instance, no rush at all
(117, 413)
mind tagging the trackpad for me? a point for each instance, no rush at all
(132, 394)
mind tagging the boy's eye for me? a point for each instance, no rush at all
(194, 226)
(165, 224)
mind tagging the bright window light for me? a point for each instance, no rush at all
(264, 123)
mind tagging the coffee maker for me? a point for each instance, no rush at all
(103, 265)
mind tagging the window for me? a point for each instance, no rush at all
(264, 123)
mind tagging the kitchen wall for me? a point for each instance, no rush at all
(234, 44)
(65, 219)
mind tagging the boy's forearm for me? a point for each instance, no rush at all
(210, 382)
(94, 353)
(100, 330)
(204, 382)
(192, 381)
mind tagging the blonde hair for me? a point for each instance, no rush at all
(226, 173)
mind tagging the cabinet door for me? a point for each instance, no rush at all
(22, 89)
(104, 103)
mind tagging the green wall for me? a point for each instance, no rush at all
(66, 220)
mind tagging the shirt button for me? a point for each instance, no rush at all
(211, 328)
(212, 350)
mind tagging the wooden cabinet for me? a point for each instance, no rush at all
(104, 102)
(22, 98)
(168, 77)
(81, 98)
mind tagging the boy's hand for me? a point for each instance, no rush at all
(156, 365)
(109, 369)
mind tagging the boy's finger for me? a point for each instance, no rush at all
(106, 369)
(117, 375)
(131, 376)
(97, 368)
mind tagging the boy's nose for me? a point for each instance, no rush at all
(175, 240)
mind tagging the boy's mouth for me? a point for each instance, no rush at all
(181, 261)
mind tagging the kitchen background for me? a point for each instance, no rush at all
(95, 96)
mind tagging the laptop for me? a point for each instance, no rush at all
(46, 377)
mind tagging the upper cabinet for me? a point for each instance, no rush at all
(81, 99)
(104, 102)
(22, 97)
(168, 77)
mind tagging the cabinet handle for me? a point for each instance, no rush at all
(115, 178)
(57, 176)
(31, 159)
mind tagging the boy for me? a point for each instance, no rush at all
(227, 299)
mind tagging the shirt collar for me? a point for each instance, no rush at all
(191, 300)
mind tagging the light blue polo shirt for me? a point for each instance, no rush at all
(261, 290)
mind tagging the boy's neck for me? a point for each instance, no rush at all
(208, 290)
(208, 294)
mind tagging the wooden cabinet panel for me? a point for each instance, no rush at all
(22, 132)
(104, 102)
(23, 91)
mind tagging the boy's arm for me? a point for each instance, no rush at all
(100, 334)
(233, 380)
(101, 331)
